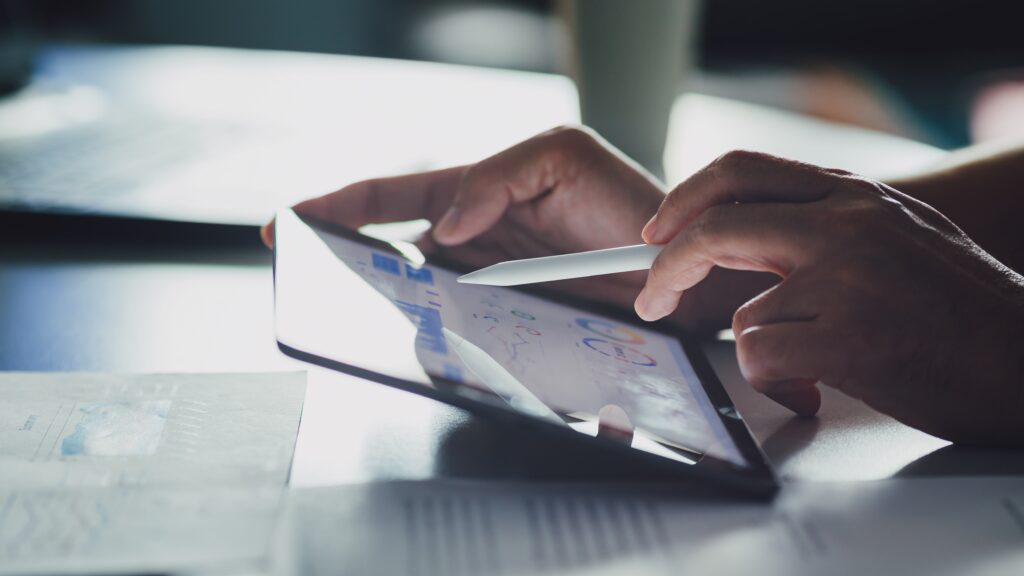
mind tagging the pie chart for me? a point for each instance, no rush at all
(609, 330)
(619, 352)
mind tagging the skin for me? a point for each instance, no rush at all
(882, 297)
(827, 277)
(565, 190)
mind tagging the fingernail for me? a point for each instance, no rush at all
(648, 232)
(448, 222)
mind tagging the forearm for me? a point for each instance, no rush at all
(981, 189)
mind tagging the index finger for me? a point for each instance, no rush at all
(379, 200)
(739, 177)
(395, 199)
(526, 171)
(763, 238)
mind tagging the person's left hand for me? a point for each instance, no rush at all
(565, 190)
(883, 298)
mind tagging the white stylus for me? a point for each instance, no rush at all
(565, 266)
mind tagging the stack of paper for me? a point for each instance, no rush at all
(117, 473)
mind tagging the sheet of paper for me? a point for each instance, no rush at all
(928, 526)
(147, 430)
(132, 530)
(108, 473)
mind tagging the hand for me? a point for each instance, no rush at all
(562, 191)
(882, 297)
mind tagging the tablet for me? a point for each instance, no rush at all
(380, 311)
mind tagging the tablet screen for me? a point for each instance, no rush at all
(367, 306)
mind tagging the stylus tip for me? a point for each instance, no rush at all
(471, 278)
(493, 275)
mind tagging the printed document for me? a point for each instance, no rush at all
(142, 473)
(898, 526)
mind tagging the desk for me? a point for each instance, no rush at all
(194, 298)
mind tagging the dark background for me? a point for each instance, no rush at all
(935, 34)
(932, 56)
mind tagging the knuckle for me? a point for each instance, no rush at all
(470, 181)
(570, 136)
(735, 159)
(665, 275)
(709, 223)
(738, 156)
(672, 202)
(743, 318)
(838, 173)
(658, 274)
(567, 146)
(866, 192)
(728, 167)
(861, 210)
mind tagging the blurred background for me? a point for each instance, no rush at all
(947, 74)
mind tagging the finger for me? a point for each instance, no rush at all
(804, 398)
(781, 361)
(710, 305)
(519, 174)
(782, 357)
(768, 355)
(410, 197)
(797, 298)
(267, 234)
(759, 237)
(738, 177)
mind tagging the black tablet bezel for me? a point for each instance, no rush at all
(757, 480)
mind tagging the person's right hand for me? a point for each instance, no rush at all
(883, 297)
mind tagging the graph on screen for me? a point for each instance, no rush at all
(572, 362)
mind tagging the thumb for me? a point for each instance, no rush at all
(475, 209)
(519, 174)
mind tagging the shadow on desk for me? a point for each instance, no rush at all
(967, 461)
(477, 448)
(480, 449)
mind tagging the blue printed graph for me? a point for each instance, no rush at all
(419, 275)
(428, 326)
(387, 264)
